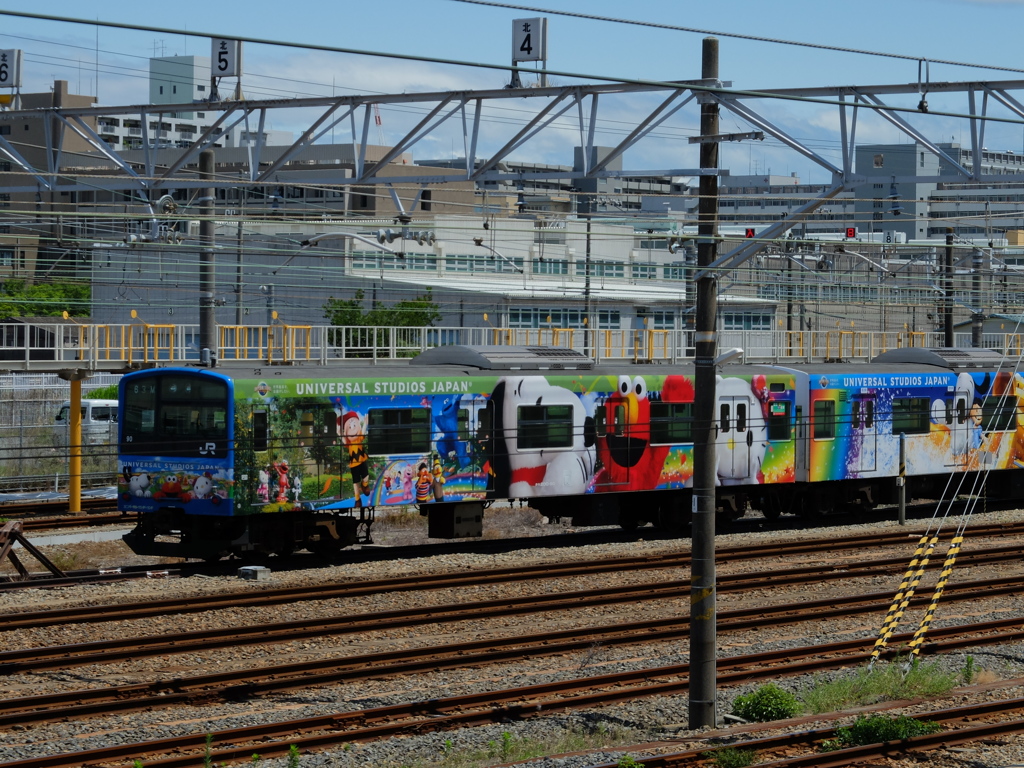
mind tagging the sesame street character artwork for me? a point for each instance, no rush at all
(631, 448)
(424, 485)
(353, 435)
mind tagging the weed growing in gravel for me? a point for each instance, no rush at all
(627, 761)
(879, 728)
(885, 683)
(731, 757)
(208, 752)
(400, 519)
(968, 673)
(769, 702)
(293, 756)
(66, 561)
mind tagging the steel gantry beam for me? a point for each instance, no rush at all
(547, 106)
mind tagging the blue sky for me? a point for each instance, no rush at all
(982, 31)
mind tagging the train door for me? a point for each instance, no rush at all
(742, 432)
(863, 434)
(485, 447)
(958, 412)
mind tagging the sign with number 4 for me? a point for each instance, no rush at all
(226, 58)
(530, 39)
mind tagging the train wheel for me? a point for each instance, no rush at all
(674, 515)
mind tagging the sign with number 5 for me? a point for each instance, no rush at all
(10, 69)
(226, 58)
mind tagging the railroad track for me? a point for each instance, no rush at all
(248, 683)
(777, 750)
(275, 739)
(437, 581)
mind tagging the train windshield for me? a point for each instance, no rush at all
(175, 415)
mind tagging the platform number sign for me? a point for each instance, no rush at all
(851, 232)
(530, 39)
(226, 58)
(10, 68)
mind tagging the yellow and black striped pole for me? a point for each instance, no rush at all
(947, 568)
(911, 579)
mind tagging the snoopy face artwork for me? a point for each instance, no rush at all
(139, 484)
(565, 469)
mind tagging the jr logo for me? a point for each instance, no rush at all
(209, 448)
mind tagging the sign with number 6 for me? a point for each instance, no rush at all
(10, 69)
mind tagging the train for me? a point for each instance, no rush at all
(253, 461)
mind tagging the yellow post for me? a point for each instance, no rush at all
(75, 439)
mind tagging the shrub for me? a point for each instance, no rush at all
(769, 702)
(731, 757)
(879, 728)
(627, 761)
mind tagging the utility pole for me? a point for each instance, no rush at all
(947, 292)
(977, 313)
(207, 312)
(703, 640)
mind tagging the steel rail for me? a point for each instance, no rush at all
(244, 684)
(143, 609)
(477, 709)
(107, 651)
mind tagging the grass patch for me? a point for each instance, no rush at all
(885, 683)
(400, 519)
(732, 757)
(879, 728)
(767, 703)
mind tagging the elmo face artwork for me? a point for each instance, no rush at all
(630, 461)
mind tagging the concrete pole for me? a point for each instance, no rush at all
(703, 641)
(978, 314)
(207, 312)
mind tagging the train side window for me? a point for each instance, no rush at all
(911, 415)
(620, 420)
(824, 417)
(855, 415)
(723, 418)
(398, 430)
(949, 411)
(463, 425)
(961, 412)
(779, 427)
(869, 414)
(671, 423)
(544, 426)
(260, 431)
(998, 414)
(741, 417)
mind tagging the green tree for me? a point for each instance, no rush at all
(418, 311)
(43, 299)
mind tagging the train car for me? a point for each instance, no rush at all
(242, 461)
(257, 461)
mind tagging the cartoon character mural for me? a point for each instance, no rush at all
(445, 414)
(138, 484)
(438, 480)
(263, 489)
(564, 465)
(281, 468)
(424, 484)
(629, 460)
(170, 488)
(353, 435)
(742, 432)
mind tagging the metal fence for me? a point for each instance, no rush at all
(106, 347)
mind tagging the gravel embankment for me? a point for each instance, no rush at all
(637, 722)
